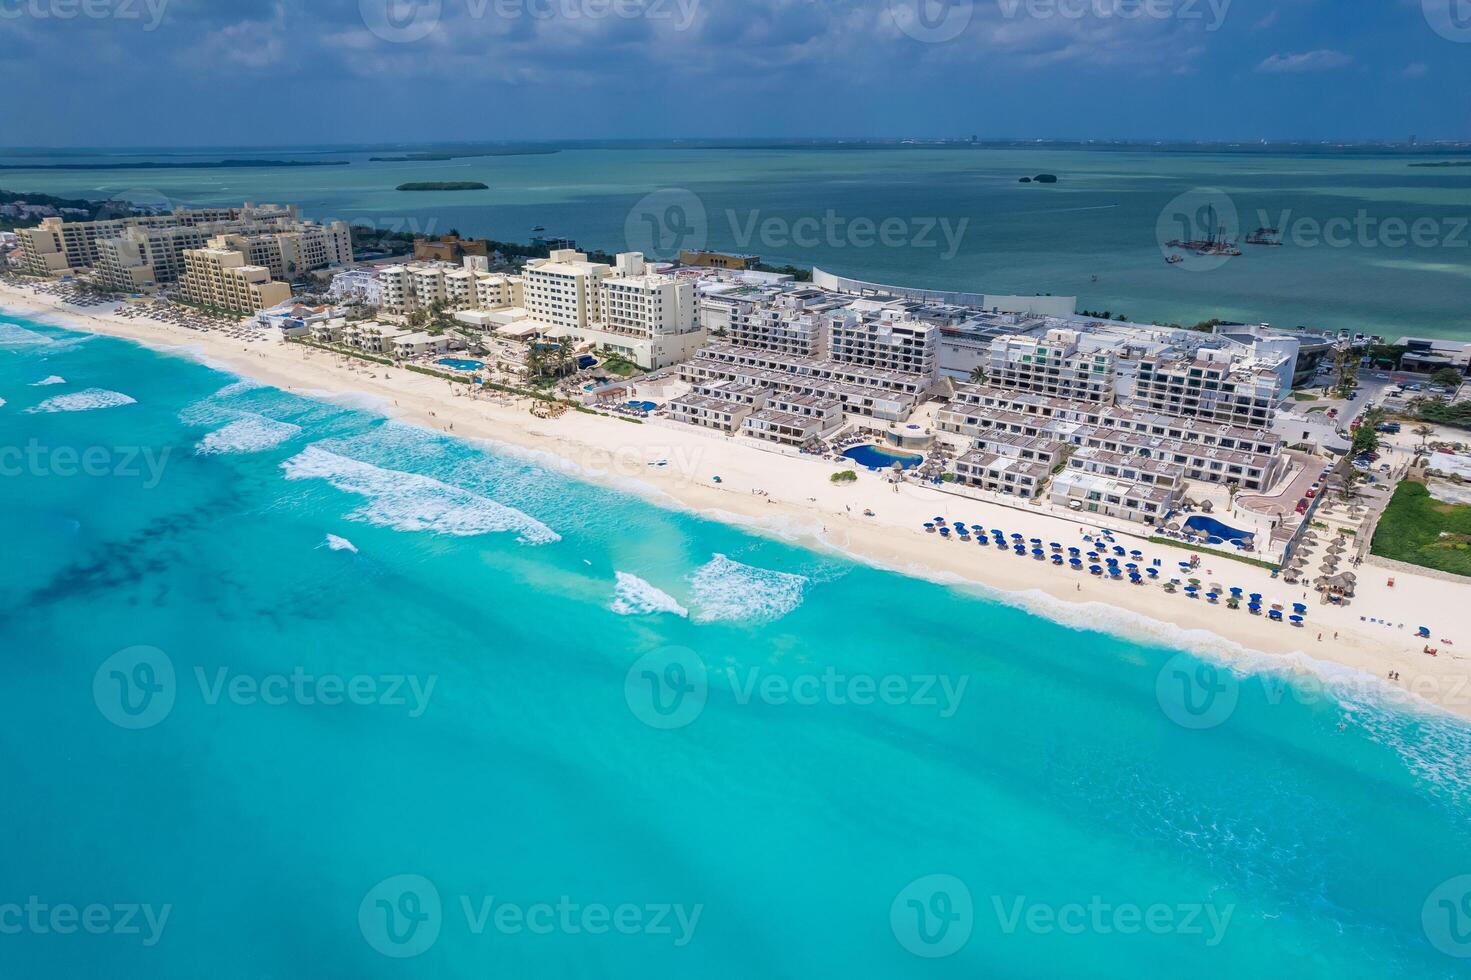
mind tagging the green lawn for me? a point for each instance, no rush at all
(1412, 527)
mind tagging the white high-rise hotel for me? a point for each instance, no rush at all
(646, 316)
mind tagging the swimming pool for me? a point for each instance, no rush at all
(643, 406)
(1216, 531)
(881, 459)
(461, 365)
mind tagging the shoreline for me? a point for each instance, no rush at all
(792, 498)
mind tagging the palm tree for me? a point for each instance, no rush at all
(535, 361)
(978, 375)
(1424, 432)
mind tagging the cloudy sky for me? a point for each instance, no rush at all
(187, 72)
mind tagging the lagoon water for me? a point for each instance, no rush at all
(594, 710)
(1371, 243)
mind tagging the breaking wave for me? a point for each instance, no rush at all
(249, 434)
(84, 401)
(340, 544)
(632, 596)
(47, 382)
(727, 591)
(410, 502)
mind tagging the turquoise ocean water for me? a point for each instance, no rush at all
(1372, 243)
(594, 755)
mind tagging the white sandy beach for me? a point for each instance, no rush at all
(797, 500)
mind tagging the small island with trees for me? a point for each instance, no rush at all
(444, 185)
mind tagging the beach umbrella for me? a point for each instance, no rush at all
(1213, 596)
(1016, 537)
(1153, 572)
(1349, 577)
(1038, 553)
(930, 528)
(1236, 593)
(1296, 620)
(1036, 541)
(1186, 565)
(1075, 551)
(939, 520)
(1299, 608)
(1057, 560)
(1255, 597)
(1096, 570)
(1136, 555)
(1131, 566)
(1055, 546)
(1076, 563)
(1276, 615)
(1424, 632)
(944, 532)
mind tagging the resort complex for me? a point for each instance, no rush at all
(1017, 400)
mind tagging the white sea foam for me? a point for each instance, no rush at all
(47, 382)
(410, 502)
(726, 591)
(632, 596)
(84, 401)
(16, 336)
(340, 544)
(237, 388)
(2, 403)
(249, 434)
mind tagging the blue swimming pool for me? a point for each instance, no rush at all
(461, 365)
(1216, 531)
(644, 406)
(881, 459)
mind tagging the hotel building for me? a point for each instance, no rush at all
(221, 278)
(1051, 365)
(60, 247)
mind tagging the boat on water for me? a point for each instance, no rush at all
(1264, 236)
(1174, 259)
